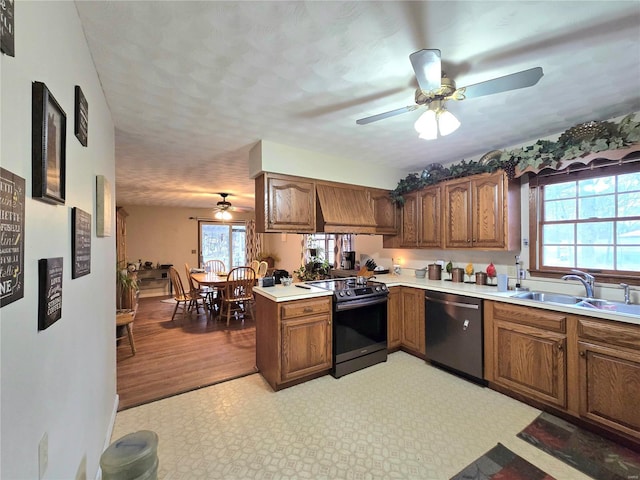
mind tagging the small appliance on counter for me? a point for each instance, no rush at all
(348, 260)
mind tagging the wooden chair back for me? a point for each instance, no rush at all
(255, 264)
(215, 266)
(240, 282)
(262, 269)
(192, 287)
(178, 289)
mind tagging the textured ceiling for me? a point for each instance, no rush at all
(192, 86)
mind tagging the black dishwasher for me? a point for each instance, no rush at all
(453, 331)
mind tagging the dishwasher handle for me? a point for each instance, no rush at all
(470, 306)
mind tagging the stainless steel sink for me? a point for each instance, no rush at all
(549, 297)
(583, 302)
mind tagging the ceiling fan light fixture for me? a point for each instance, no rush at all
(427, 126)
(447, 122)
(222, 215)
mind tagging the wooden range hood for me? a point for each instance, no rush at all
(343, 210)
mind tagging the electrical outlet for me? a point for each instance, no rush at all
(43, 455)
(523, 274)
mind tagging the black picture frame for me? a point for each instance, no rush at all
(7, 35)
(48, 146)
(49, 291)
(81, 118)
(12, 221)
(80, 243)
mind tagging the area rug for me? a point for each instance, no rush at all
(587, 452)
(500, 463)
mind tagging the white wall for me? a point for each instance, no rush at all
(60, 380)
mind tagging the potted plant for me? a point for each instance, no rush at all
(270, 258)
(126, 287)
(314, 269)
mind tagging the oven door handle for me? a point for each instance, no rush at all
(357, 303)
(455, 304)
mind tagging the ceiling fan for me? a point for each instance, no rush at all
(223, 208)
(435, 88)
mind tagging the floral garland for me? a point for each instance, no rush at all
(573, 143)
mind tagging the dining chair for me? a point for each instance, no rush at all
(215, 266)
(255, 264)
(183, 299)
(262, 269)
(238, 292)
(195, 292)
(215, 297)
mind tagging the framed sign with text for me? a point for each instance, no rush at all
(49, 291)
(80, 243)
(12, 237)
(81, 120)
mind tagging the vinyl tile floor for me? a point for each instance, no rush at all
(402, 419)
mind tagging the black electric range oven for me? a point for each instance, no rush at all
(359, 323)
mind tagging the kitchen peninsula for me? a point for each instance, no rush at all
(579, 362)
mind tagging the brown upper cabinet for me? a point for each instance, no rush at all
(420, 219)
(384, 211)
(294, 204)
(483, 212)
(285, 204)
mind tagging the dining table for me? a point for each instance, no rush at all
(214, 280)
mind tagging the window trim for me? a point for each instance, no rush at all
(535, 211)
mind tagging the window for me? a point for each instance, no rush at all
(223, 241)
(590, 222)
(325, 243)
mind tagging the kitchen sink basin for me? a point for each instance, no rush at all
(583, 302)
(549, 297)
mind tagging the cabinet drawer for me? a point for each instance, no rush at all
(610, 333)
(305, 307)
(534, 317)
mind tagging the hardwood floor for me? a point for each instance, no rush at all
(175, 357)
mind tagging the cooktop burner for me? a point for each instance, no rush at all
(349, 289)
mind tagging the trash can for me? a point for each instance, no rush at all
(132, 457)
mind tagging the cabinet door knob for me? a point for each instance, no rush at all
(560, 346)
(582, 354)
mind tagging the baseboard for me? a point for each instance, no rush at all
(112, 422)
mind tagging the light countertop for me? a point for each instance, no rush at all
(280, 293)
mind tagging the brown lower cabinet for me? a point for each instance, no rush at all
(609, 374)
(586, 367)
(394, 319)
(527, 351)
(405, 320)
(293, 339)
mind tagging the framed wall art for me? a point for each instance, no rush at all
(7, 37)
(49, 291)
(48, 145)
(12, 231)
(103, 207)
(81, 118)
(80, 243)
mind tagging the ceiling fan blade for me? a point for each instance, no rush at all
(382, 116)
(525, 78)
(427, 67)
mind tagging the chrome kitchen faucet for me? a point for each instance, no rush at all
(587, 280)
